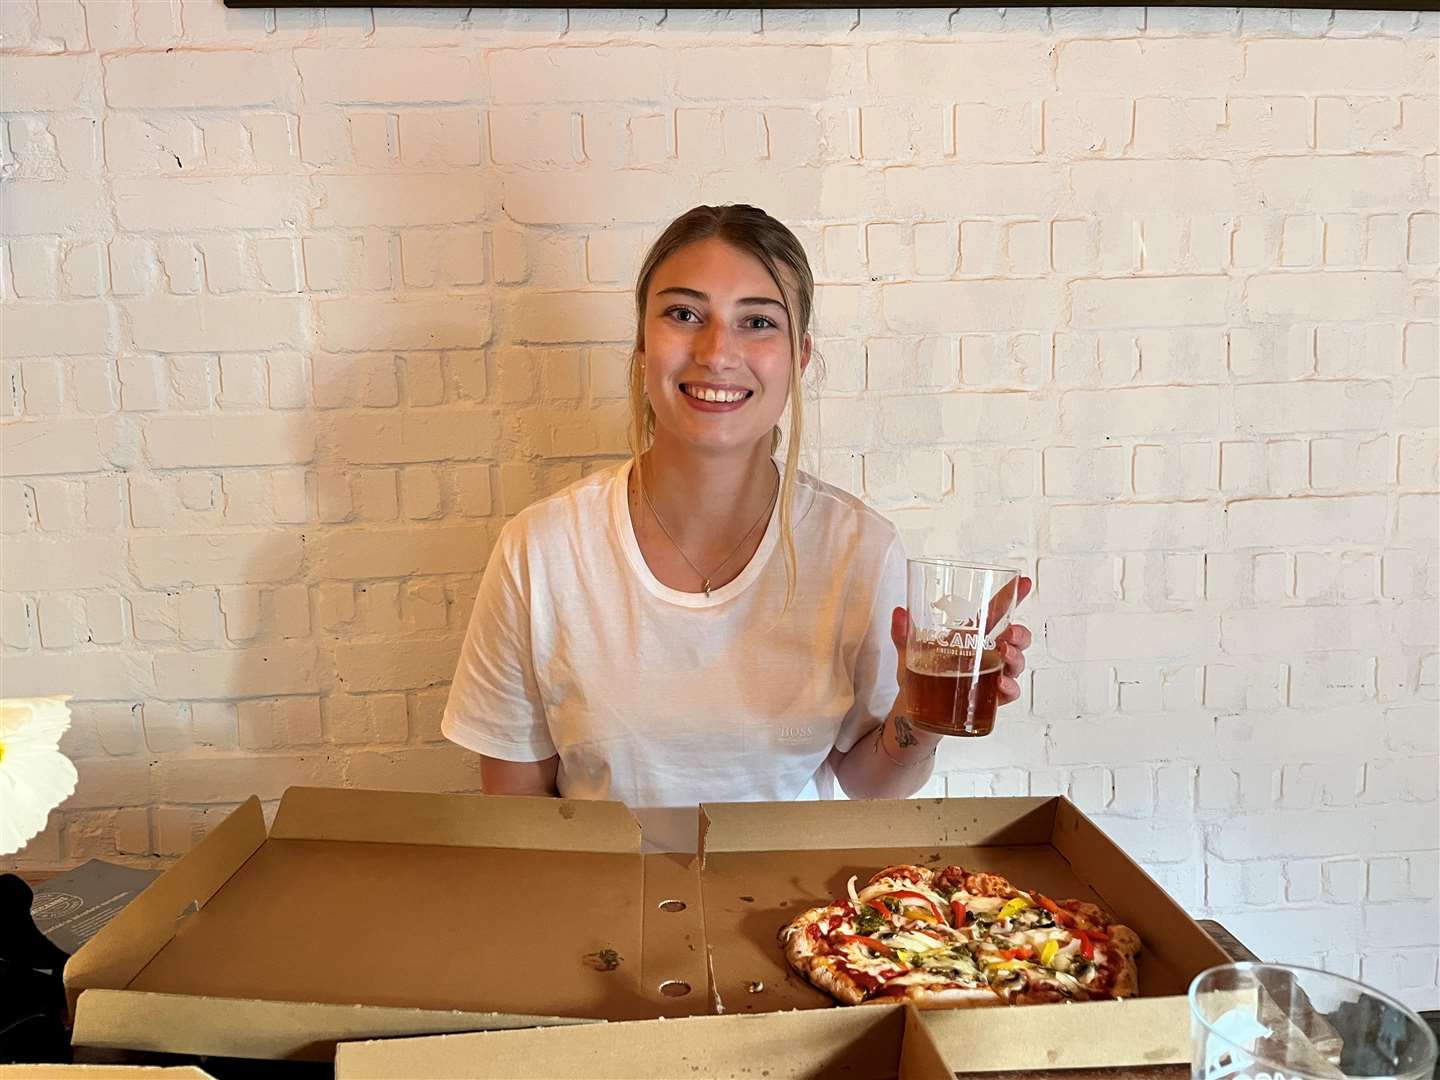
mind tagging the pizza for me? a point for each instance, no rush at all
(958, 938)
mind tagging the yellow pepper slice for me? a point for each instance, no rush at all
(1014, 907)
(1048, 951)
(1005, 965)
(920, 914)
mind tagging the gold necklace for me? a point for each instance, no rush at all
(704, 577)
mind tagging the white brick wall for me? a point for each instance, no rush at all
(300, 304)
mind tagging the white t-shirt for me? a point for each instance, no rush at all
(660, 698)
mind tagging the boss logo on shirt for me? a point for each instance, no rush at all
(794, 732)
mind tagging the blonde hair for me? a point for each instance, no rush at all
(751, 230)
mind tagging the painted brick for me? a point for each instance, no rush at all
(954, 307)
(1333, 182)
(41, 447)
(422, 322)
(177, 324)
(1360, 519)
(1316, 406)
(1171, 410)
(1301, 66)
(195, 80)
(919, 191)
(35, 207)
(1148, 66)
(1168, 526)
(635, 73)
(390, 75)
(1129, 636)
(971, 71)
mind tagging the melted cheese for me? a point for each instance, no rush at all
(909, 939)
(889, 885)
(855, 957)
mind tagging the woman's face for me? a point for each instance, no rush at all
(716, 348)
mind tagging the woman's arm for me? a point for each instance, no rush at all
(895, 760)
(519, 777)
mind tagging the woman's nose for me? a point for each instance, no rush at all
(713, 346)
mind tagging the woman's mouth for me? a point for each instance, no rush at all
(714, 398)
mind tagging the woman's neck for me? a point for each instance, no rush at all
(706, 499)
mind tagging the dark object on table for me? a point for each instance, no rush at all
(32, 990)
(70, 908)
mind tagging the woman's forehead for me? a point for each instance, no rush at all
(717, 269)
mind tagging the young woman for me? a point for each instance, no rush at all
(701, 623)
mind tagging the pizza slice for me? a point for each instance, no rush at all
(904, 891)
(1038, 949)
(858, 951)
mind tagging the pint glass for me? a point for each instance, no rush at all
(952, 661)
(1278, 1022)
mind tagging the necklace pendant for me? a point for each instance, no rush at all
(706, 586)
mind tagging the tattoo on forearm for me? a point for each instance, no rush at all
(904, 733)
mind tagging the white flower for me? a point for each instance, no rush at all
(35, 777)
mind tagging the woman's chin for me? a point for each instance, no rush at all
(704, 435)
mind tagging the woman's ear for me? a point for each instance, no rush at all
(805, 346)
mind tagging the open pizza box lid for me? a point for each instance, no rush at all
(763, 864)
(873, 1042)
(371, 913)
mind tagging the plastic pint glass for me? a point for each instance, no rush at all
(952, 661)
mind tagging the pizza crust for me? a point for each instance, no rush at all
(1120, 953)
(829, 975)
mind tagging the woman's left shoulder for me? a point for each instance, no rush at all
(834, 512)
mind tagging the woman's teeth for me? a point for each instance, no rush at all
(720, 397)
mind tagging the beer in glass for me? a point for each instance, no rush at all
(952, 660)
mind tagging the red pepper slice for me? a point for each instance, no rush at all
(1063, 917)
(906, 894)
(869, 942)
(881, 908)
(1023, 952)
(1087, 947)
(962, 916)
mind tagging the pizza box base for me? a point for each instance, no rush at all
(365, 913)
(763, 864)
(876, 1042)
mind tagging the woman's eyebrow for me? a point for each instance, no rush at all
(698, 295)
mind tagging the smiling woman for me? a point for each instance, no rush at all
(702, 622)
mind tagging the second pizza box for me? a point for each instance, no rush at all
(878, 1042)
(762, 864)
(366, 913)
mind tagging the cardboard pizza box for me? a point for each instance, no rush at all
(876, 1042)
(365, 913)
(762, 864)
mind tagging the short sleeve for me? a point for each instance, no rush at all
(875, 684)
(494, 706)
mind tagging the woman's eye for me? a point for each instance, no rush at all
(759, 322)
(681, 314)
